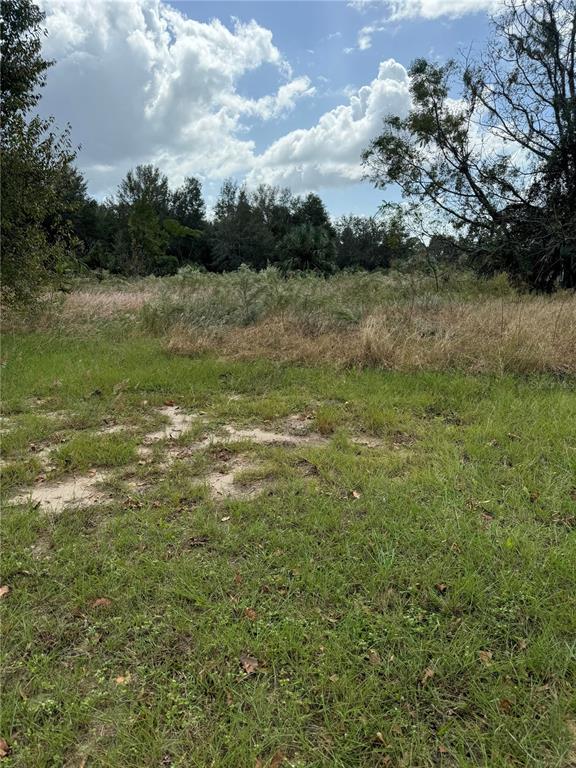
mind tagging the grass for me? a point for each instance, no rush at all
(407, 602)
(372, 320)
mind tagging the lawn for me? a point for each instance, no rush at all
(279, 565)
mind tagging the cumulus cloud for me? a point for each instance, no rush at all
(433, 9)
(397, 10)
(427, 9)
(141, 82)
(329, 153)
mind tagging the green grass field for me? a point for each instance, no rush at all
(389, 583)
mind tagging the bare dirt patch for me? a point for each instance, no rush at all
(223, 484)
(178, 423)
(54, 497)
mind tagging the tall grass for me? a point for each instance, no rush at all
(390, 320)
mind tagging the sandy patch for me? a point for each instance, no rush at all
(223, 483)
(178, 423)
(54, 497)
(112, 429)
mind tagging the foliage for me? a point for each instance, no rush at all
(35, 164)
(306, 247)
(22, 65)
(499, 162)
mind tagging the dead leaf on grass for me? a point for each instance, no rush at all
(250, 614)
(374, 658)
(4, 591)
(505, 706)
(356, 495)
(249, 664)
(225, 519)
(122, 679)
(441, 588)
(277, 759)
(485, 657)
(101, 602)
(428, 675)
(4, 748)
(442, 749)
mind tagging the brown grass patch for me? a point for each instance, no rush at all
(105, 304)
(523, 335)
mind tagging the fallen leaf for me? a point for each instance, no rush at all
(238, 578)
(428, 675)
(374, 658)
(250, 614)
(505, 706)
(522, 644)
(356, 494)
(441, 588)
(5, 590)
(101, 602)
(334, 678)
(442, 749)
(258, 763)
(225, 519)
(122, 679)
(380, 737)
(276, 759)
(485, 657)
(169, 403)
(249, 664)
(4, 748)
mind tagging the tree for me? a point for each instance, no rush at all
(145, 184)
(500, 162)
(142, 205)
(307, 247)
(362, 242)
(240, 236)
(190, 244)
(22, 65)
(35, 162)
(312, 211)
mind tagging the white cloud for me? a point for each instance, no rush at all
(427, 9)
(141, 82)
(433, 9)
(329, 153)
(397, 10)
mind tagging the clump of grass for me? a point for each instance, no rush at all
(89, 450)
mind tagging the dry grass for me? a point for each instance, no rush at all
(105, 304)
(523, 335)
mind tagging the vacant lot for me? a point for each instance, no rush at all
(254, 563)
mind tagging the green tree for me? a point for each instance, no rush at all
(306, 248)
(190, 245)
(500, 162)
(35, 162)
(22, 66)
(240, 236)
(142, 206)
(362, 242)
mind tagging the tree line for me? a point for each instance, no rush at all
(489, 178)
(148, 228)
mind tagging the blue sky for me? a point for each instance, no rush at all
(277, 92)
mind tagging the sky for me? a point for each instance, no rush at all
(276, 92)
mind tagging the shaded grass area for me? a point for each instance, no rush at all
(408, 604)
